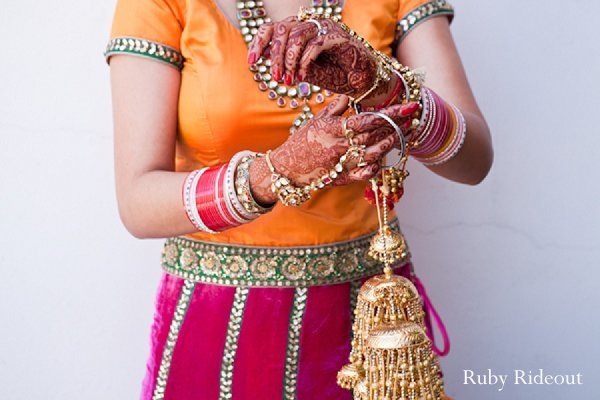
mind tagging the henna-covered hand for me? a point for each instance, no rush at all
(333, 60)
(316, 147)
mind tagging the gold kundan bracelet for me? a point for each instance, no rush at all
(291, 195)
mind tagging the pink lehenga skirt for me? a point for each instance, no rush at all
(250, 323)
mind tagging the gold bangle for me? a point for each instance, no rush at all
(242, 187)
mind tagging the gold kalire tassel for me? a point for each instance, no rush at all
(391, 356)
(400, 364)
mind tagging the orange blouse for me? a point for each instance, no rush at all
(222, 111)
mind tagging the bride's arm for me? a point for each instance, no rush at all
(431, 46)
(145, 95)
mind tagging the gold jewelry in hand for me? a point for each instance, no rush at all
(354, 150)
(358, 151)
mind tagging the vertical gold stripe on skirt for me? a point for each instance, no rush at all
(231, 342)
(293, 344)
(165, 365)
(354, 289)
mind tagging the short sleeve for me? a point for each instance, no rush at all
(147, 28)
(412, 12)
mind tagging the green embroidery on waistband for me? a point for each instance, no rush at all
(419, 14)
(255, 266)
(145, 48)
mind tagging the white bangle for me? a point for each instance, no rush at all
(189, 200)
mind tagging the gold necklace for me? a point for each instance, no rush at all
(251, 15)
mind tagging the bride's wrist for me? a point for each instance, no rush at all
(381, 95)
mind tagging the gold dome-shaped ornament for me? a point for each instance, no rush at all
(388, 245)
(350, 375)
(400, 364)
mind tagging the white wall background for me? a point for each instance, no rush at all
(512, 265)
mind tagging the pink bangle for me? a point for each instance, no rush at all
(423, 133)
(431, 136)
(458, 140)
(442, 130)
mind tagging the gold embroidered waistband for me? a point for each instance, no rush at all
(257, 266)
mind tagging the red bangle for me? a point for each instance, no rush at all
(221, 199)
(393, 95)
(205, 194)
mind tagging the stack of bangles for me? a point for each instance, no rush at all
(219, 198)
(441, 133)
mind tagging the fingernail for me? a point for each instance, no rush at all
(288, 78)
(252, 57)
(409, 109)
(300, 77)
(276, 73)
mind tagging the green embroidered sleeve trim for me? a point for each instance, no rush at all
(422, 13)
(144, 48)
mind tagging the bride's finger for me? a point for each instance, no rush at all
(299, 36)
(398, 112)
(260, 42)
(376, 152)
(361, 174)
(278, 46)
(365, 123)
